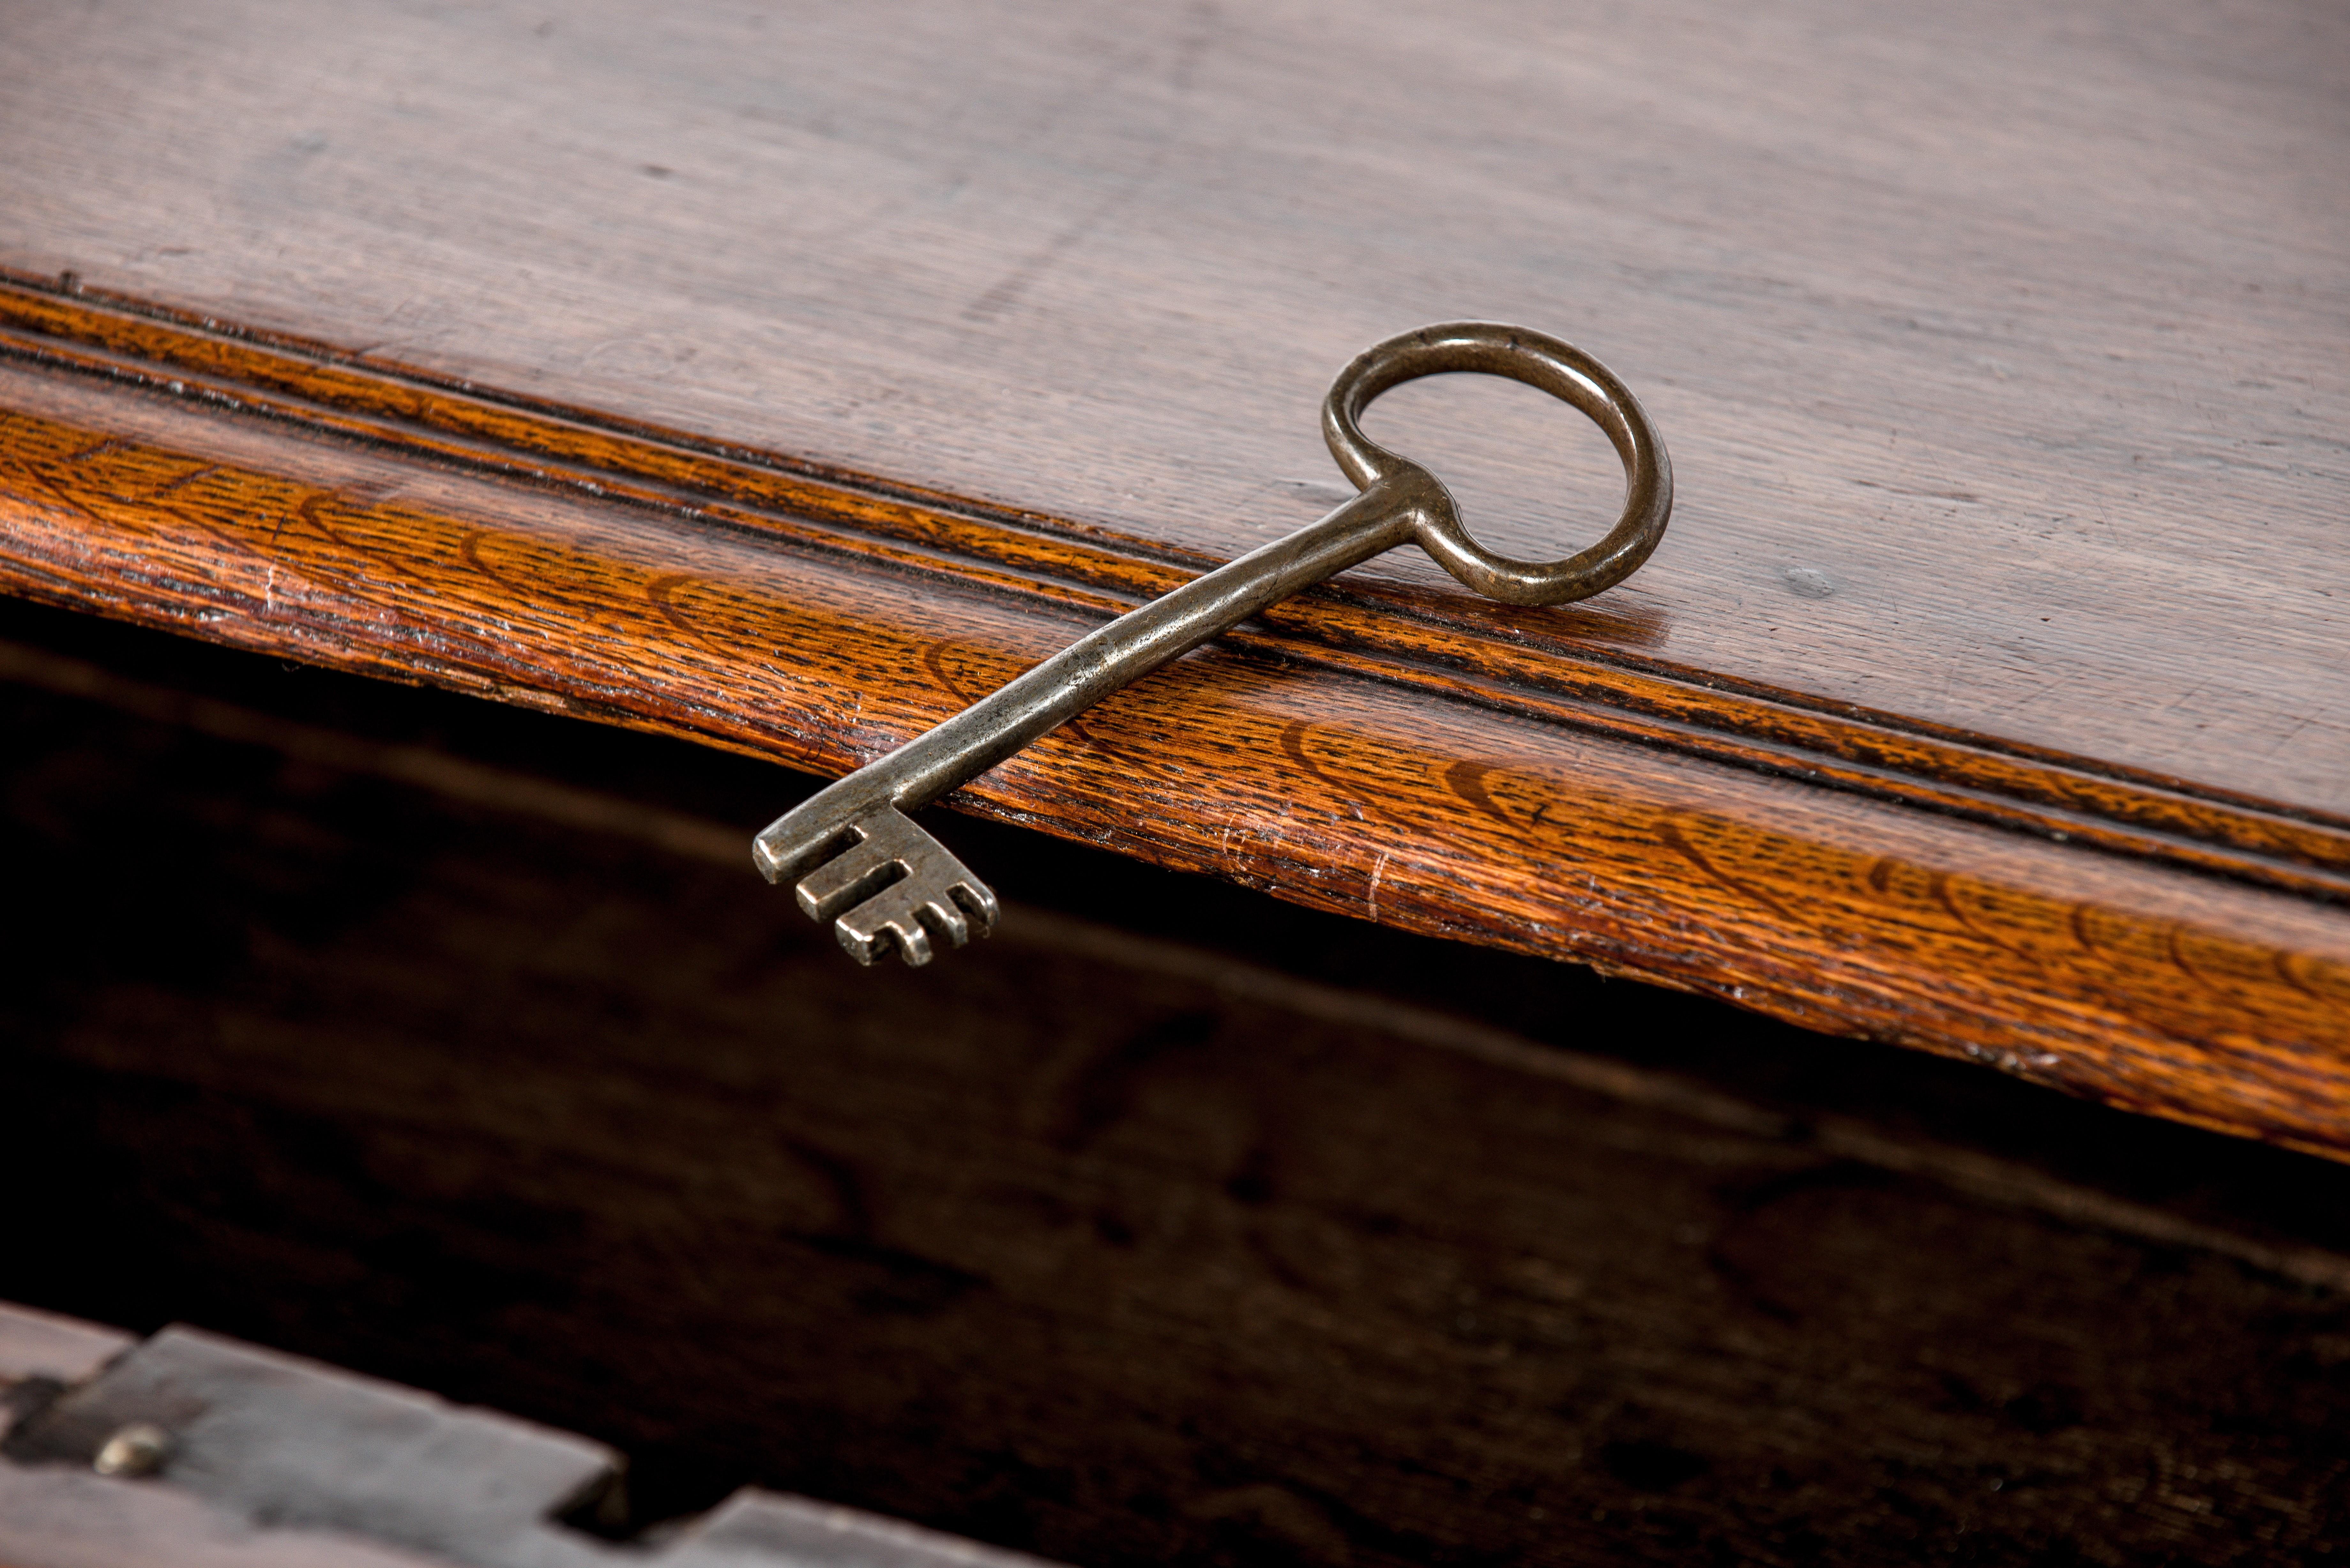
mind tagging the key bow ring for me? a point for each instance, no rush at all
(856, 859)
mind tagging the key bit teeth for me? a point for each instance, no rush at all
(884, 883)
(867, 934)
(914, 915)
(977, 900)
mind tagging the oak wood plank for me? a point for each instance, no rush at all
(2148, 984)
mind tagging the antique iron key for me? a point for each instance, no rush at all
(886, 884)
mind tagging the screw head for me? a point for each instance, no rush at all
(135, 1450)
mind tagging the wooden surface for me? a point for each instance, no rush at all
(786, 380)
(478, 1066)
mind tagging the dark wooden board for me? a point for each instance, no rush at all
(1125, 1251)
(1985, 697)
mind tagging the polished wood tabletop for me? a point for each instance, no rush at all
(787, 378)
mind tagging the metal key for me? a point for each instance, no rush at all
(886, 884)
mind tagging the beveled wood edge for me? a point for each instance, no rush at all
(1388, 633)
(2102, 975)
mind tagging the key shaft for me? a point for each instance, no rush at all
(1097, 664)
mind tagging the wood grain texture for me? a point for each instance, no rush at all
(1342, 758)
(786, 380)
(2017, 337)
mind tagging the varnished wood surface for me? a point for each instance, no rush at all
(786, 380)
(2022, 331)
(444, 1063)
(371, 522)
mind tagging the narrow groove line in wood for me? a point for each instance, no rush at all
(2062, 798)
(330, 375)
(768, 525)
